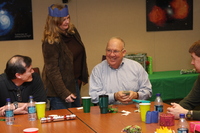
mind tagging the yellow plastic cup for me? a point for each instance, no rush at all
(144, 107)
(40, 109)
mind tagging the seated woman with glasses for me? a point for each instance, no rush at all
(19, 82)
(120, 78)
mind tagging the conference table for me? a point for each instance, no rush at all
(115, 122)
(93, 122)
(171, 84)
(22, 122)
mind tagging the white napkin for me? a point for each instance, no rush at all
(79, 108)
(125, 112)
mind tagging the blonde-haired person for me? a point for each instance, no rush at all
(65, 66)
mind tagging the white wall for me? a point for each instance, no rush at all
(98, 20)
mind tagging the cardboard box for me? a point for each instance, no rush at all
(139, 57)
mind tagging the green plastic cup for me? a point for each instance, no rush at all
(86, 104)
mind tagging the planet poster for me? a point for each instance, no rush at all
(166, 15)
(16, 20)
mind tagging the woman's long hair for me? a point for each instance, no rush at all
(52, 31)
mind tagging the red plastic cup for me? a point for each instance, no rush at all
(31, 130)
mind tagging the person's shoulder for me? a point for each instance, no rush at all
(36, 76)
(76, 32)
(3, 79)
(101, 65)
(2, 76)
(47, 47)
(198, 78)
(132, 63)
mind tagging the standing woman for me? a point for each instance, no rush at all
(64, 54)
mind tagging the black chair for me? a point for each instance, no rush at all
(36, 70)
(103, 57)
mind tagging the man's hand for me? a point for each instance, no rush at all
(21, 110)
(176, 109)
(123, 97)
(2, 110)
(70, 98)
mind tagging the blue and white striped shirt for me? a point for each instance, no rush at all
(129, 76)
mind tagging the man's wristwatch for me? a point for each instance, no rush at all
(137, 95)
(15, 104)
(189, 115)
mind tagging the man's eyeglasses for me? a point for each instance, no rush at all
(108, 51)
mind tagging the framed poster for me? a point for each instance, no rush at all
(166, 15)
(16, 20)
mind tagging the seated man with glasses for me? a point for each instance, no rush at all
(120, 78)
(18, 82)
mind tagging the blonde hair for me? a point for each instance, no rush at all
(52, 31)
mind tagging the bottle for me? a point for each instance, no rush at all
(9, 112)
(31, 109)
(182, 125)
(158, 103)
